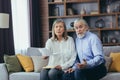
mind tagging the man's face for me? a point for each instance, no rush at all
(80, 28)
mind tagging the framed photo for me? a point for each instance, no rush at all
(70, 11)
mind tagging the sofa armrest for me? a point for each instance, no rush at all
(3, 72)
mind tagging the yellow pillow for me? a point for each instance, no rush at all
(115, 65)
(26, 62)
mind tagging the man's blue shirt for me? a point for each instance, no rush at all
(89, 48)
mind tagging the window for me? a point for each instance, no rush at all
(20, 16)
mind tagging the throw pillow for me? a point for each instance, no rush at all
(26, 62)
(45, 52)
(108, 62)
(39, 63)
(12, 63)
(115, 65)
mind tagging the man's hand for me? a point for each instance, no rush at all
(82, 65)
(69, 70)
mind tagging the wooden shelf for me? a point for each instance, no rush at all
(111, 44)
(72, 30)
(102, 14)
(67, 31)
(109, 29)
(80, 1)
(69, 16)
(76, 6)
(55, 3)
(85, 15)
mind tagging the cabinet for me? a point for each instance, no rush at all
(93, 11)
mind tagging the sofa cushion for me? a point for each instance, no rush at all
(108, 49)
(39, 63)
(45, 52)
(33, 51)
(24, 76)
(108, 62)
(26, 62)
(12, 63)
(3, 72)
(115, 65)
(112, 76)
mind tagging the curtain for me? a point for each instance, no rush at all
(39, 31)
(35, 24)
(21, 30)
(6, 35)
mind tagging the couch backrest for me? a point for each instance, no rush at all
(108, 49)
(33, 51)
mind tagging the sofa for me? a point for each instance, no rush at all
(4, 75)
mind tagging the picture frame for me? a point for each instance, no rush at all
(70, 11)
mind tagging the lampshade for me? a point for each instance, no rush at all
(4, 20)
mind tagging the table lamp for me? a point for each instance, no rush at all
(4, 20)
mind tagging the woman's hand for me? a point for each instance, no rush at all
(45, 57)
(58, 67)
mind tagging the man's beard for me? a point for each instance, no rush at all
(81, 35)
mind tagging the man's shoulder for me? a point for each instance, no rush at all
(92, 34)
(93, 37)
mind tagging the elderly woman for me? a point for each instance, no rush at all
(63, 52)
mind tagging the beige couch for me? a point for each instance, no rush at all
(36, 75)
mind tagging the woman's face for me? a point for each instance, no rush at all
(80, 28)
(59, 29)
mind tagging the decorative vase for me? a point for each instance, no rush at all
(72, 25)
(100, 23)
(83, 11)
(108, 9)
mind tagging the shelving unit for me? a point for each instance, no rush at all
(69, 10)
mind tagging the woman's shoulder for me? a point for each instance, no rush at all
(70, 38)
(49, 40)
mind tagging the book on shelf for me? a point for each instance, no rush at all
(56, 11)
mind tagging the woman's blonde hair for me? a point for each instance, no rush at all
(54, 37)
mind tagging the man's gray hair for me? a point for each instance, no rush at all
(81, 20)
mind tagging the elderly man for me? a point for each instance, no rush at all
(89, 64)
